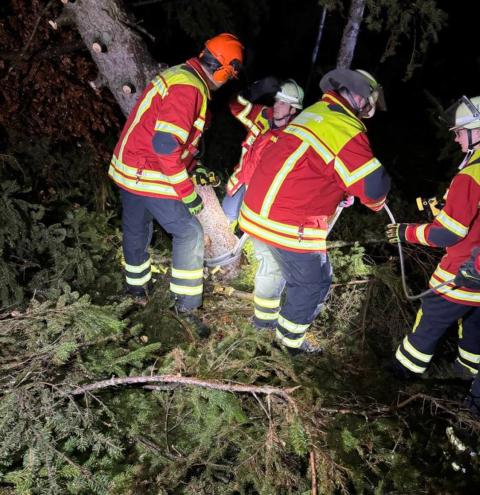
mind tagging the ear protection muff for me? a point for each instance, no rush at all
(221, 73)
(226, 72)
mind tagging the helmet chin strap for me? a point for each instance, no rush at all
(470, 150)
(284, 117)
(471, 144)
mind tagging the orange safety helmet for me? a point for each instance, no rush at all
(227, 52)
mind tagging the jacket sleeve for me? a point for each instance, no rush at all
(173, 127)
(452, 224)
(244, 110)
(361, 174)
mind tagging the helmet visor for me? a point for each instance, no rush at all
(460, 114)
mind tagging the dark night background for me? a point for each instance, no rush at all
(408, 139)
(279, 37)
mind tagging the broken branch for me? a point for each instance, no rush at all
(186, 381)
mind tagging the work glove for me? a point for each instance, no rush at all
(203, 177)
(194, 203)
(468, 275)
(266, 86)
(395, 232)
(347, 202)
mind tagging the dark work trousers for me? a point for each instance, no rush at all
(306, 277)
(433, 319)
(187, 246)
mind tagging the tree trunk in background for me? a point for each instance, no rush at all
(126, 67)
(350, 34)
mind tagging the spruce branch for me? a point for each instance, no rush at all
(283, 393)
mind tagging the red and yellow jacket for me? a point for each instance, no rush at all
(258, 120)
(456, 227)
(319, 158)
(160, 137)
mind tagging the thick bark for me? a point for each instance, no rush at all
(350, 34)
(126, 66)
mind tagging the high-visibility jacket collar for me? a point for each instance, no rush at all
(194, 63)
(334, 98)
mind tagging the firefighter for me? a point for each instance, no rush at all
(456, 228)
(319, 159)
(258, 120)
(149, 165)
(469, 276)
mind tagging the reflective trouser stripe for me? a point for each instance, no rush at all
(467, 365)
(183, 290)
(266, 309)
(187, 282)
(468, 360)
(289, 333)
(139, 281)
(412, 358)
(138, 275)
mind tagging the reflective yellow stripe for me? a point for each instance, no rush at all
(139, 281)
(280, 177)
(293, 343)
(473, 371)
(242, 115)
(312, 140)
(138, 268)
(292, 327)
(151, 187)
(187, 274)
(416, 354)
(199, 124)
(283, 228)
(132, 171)
(451, 224)
(420, 233)
(417, 320)
(408, 364)
(265, 316)
(349, 178)
(317, 245)
(450, 290)
(177, 178)
(142, 108)
(168, 127)
(186, 291)
(267, 303)
(473, 358)
(160, 86)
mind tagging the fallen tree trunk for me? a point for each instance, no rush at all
(126, 66)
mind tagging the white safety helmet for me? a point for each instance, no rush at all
(290, 92)
(464, 114)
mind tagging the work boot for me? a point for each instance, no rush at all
(308, 347)
(265, 327)
(140, 295)
(194, 322)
